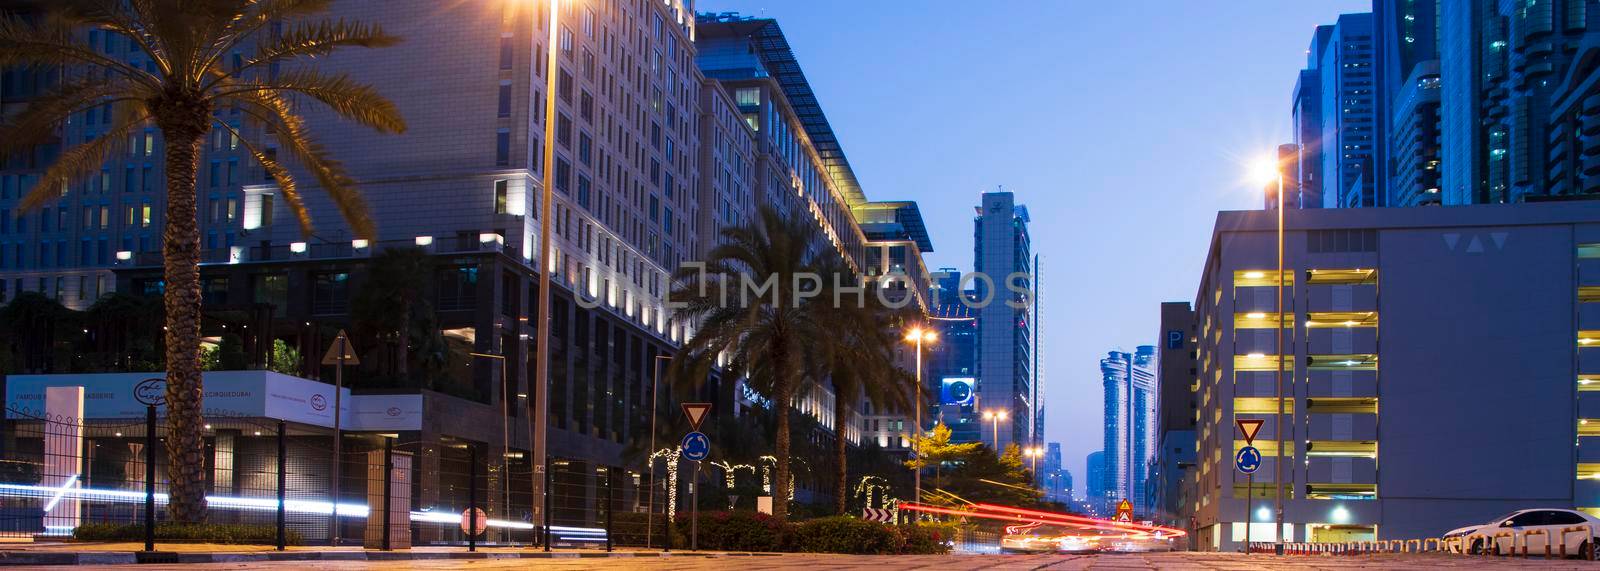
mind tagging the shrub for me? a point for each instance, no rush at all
(737, 531)
(192, 532)
(927, 538)
(631, 529)
(841, 534)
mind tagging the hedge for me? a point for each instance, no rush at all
(751, 531)
(192, 532)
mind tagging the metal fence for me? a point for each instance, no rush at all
(109, 478)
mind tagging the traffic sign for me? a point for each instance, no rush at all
(479, 524)
(696, 412)
(695, 446)
(341, 346)
(1248, 460)
(1124, 511)
(877, 514)
(1250, 427)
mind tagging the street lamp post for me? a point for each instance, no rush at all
(918, 335)
(505, 433)
(1267, 176)
(994, 417)
(541, 395)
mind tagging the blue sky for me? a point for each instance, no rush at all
(1123, 126)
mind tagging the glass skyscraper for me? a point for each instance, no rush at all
(1130, 423)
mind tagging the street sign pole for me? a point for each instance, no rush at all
(694, 509)
(338, 355)
(1249, 502)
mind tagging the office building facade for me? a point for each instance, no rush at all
(1414, 140)
(1502, 290)
(1173, 467)
(1003, 262)
(1129, 380)
(1350, 135)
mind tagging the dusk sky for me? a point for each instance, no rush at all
(1123, 126)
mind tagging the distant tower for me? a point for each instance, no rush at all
(1130, 422)
(1002, 249)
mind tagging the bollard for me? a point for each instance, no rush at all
(1574, 529)
(1495, 541)
(1532, 532)
(150, 478)
(283, 480)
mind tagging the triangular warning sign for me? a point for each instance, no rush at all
(696, 411)
(341, 344)
(1250, 427)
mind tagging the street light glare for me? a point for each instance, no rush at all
(1264, 170)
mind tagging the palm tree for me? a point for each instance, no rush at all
(861, 364)
(770, 337)
(189, 44)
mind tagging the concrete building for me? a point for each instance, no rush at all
(1464, 299)
(1130, 423)
(1176, 411)
(1003, 255)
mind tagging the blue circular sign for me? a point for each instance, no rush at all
(695, 446)
(1248, 460)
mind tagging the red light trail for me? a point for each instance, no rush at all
(1008, 513)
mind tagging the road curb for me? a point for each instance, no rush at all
(16, 558)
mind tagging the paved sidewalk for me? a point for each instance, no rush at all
(107, 553)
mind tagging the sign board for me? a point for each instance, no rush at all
(1250, 427)
(341, 344)
(482, 522)
(764, 504)
(695, 446)
(696, 412)
(957, 390)
(1248, 460)
(877, 514)
(1124, 511)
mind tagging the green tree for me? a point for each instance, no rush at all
(392, 304)
(191, 74)
(284, 359)
(935, 451)
(771, 337)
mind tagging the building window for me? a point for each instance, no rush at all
(747, 96)
(500, 192)
(504, 105)
(330, 293)
(502, 148)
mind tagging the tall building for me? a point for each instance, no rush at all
(1504, 69)
(1400, 275)
(1003, 261)
(1414, 142)
(1350, 136)
(1054, 478)
(1406, 33)
(1306, 114)
(1130, 423)
(1097, 491)
(1176, 416)
(952, 361)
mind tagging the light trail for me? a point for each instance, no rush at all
(1008, 513)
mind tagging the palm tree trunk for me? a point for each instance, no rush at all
(183, 128)
(841, 415)
(782, 393)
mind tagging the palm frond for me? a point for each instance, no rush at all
(81, 160)
(38, 121)
(286, 182)
(317, 39)
(350, 99)
(51, 41)
(330, 173)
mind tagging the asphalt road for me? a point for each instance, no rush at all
(1197, 561)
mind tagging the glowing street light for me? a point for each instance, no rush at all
(994, 417)
(918, 335)
(1264, 171)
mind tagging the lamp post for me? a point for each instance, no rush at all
(541, 395)
(1273, 169)
(505, 433)
(1034, 454)
(918, 335)
(994, 417)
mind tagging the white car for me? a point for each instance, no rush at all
(1507, 534)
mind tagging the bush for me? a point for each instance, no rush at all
(737, 531)
(927, 538)
(842, 534)
(633, 529)
(191, 532)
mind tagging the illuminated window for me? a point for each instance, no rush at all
(1261, 405)
(1261, 362)
(1589, 338)
(1589, 382)
(500, 196)
(1260, 320)
(1588, 471)
(1364, 362)
(1343, 448)
(1342, 405)
(1356, 276)
(1588, 427)
(1249, 278)
(1342, 491)
(1338, 319)
(1589, 250)
(1268, 447)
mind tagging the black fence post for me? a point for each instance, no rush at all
(549, 516)
(388, 487)
(150, 478)
(472, 497)
(611, 502)
(283, 480)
